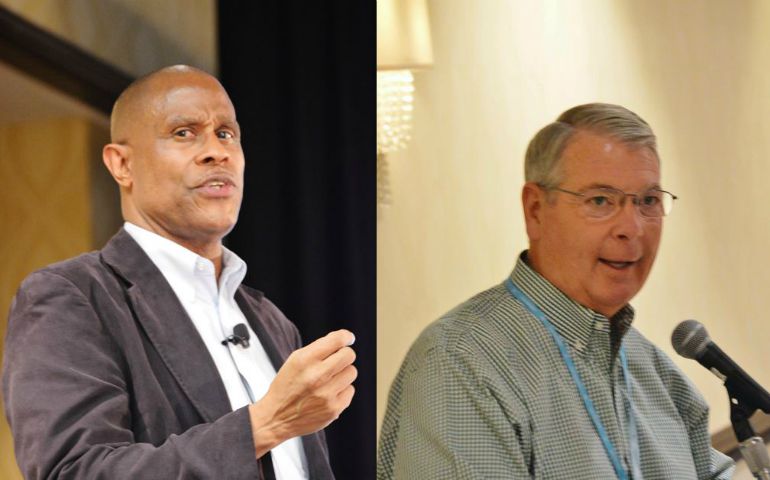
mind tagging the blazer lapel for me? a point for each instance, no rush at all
(156, 307)
(277, 356)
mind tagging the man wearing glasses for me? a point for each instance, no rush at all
(543, 376)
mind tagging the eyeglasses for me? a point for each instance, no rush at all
(604, 202)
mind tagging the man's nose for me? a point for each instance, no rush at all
(629, 222)
(213, 151)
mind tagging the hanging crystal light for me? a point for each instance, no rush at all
(403, 45)
(394, 110)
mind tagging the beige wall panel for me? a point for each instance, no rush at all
(137, 36)
(45, 212)
(696, 70)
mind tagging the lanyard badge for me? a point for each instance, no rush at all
(612, 453)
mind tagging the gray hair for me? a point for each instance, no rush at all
(543, 158)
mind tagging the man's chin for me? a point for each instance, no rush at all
(610, 303)
(215, 227)
(219, 229)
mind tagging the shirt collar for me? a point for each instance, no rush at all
(574, 322)
(180, 266)
(233, 271)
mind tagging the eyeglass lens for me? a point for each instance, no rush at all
(603, 202)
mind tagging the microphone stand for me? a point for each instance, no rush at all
(751, 445)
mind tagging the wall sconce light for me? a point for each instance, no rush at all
(403, 45)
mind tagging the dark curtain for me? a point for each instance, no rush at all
(301, 75)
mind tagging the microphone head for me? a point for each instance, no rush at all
(241, 334)
(241, 331)
(690, 339)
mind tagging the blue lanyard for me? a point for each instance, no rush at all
(600, 430)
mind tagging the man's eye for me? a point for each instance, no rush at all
(599, 200)
(650, 200)
(184, 133)
(224, 134)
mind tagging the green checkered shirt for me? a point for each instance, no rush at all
(484, 393)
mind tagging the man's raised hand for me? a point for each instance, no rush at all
(309, 392)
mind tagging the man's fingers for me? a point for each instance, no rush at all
(342, 399)
(341, 380)
(338, 360)
(346, 396)
(327, 345)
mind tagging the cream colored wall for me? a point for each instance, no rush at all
(137, 36)
(695, 69)
(45, 212)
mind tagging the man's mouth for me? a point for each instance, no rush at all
(617, 264)
(215, 184)
(216, 179)
(217, 187)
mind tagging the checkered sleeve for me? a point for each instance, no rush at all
(693, 409)
(722, 466)
(444, 421)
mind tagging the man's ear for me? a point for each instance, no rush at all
(533, 199)
(116, 159)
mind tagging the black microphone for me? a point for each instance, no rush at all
(691, 340)
(240, 336)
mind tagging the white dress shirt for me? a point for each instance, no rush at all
(246, 372)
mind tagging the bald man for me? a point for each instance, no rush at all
(149, 359)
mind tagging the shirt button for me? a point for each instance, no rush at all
(580, 345)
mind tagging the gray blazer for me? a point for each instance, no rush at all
(105, 376)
